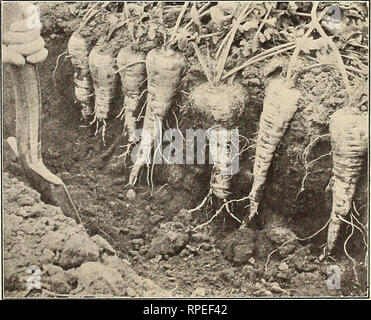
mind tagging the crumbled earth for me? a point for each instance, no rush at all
(41, 238)
(134, 241)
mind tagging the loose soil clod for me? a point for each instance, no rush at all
(69, 261)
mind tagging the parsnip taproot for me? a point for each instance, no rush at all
(164, 70)
(78, 50)
(221, 105)
(279, 106)
(102, 68)
(349, 141)
(133, 75)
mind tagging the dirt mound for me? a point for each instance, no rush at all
(169, 240)
(43, 244)
(239, 246)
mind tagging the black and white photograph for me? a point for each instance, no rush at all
(185, 150)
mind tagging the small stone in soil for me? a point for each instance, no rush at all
(59, 285)
(239, 246)
(200, 237)
(138, 242)
(275, 287)
(48, 256)
(131, 194)
(263, 293)
(124, 231)
(184, 216)
(103, 244)
(237, 283)
(101, 196)
(283, 266)
(249, 273)
(199, 292)
(205, 246)
(51, 269)
(155, 219)
(130, 292)
(157, 258)
(168, 242)
(133, 253)
(226, 275)
(183, 253)
(305, 266)
(136, 233)
(135, 247)
(284, 275)
(120, 181)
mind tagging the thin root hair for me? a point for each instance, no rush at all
(56, 67)
(141, 111)
(201, 204)
(346, 251)
(177, 124)
(307, 166)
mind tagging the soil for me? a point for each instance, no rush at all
(41, 242)
(153, 248)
